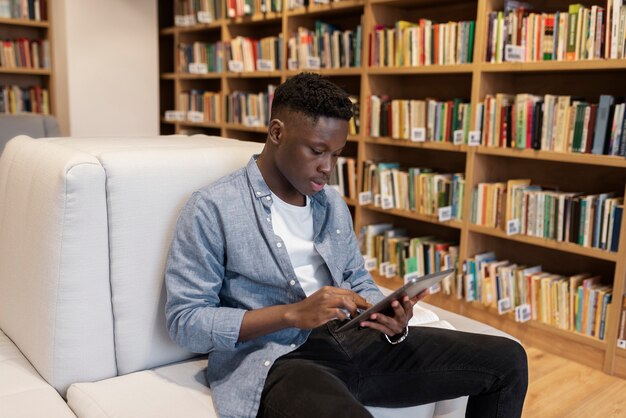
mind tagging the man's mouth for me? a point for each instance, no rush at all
(317, 184)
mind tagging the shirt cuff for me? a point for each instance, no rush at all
(225, 328)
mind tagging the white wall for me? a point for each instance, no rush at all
(106, 80)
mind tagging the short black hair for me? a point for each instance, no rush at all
(313, 96)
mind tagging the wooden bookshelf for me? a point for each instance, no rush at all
(473, 81)
(12, 29)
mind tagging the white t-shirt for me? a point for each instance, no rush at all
(294, 224)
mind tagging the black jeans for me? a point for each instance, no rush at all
(335, 374)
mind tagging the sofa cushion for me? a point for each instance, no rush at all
(23, 392)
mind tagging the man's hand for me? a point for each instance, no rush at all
(324, 305)
(402, 313)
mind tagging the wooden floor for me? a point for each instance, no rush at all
(565, 389)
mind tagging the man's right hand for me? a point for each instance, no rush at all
(326, 304)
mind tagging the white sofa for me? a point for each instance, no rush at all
(85, 226)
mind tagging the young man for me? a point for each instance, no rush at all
(264, 267)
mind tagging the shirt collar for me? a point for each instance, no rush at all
(261, 189)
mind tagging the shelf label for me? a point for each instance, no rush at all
(382, 268)
(198, 68)
(365, 198)
(458, 137)
(387, 202)
(264, 65)
(418, 134)
(390, 271)
(473, 140)
(370, 263)
(621, 343)
(231, 12)
(504, 306)
(195, 116)
(174, 116)
(444, 214)
(377, 200)
(184, 20)
(313, 63)
(513, 53)
(292, 64)
(247, 9)
(235, 66)
(512, 227)
(252, 121)
(523, 313)
(205, 17)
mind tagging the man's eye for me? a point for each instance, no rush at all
(316, 152)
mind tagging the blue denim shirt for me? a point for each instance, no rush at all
(225, 259)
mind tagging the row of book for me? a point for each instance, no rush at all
(200, 57)
(343, 177)
(16, 99)
(239, 8)
(193, 12)
(24, 9)
(25, 53)
(250, 109)
(554, 123)
(392, 252)
(327, 46)
(411, 44)
(201, 106)
(578, 303)
(247, 54)
(590, 220)
(580, 33)
(416, 189)
(419, 120)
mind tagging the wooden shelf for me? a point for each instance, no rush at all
(567, 157)
(260, 129)
(270, 17)
(25, 71)
(200, 27)
(567, 247)
(189, 76)
(350, 202)
(353, 138)
(441, 146)
(415, 216)
(426, 69)
(329, 71)
(24, 22)
(254, 74)
(201, 124)
(545, 66)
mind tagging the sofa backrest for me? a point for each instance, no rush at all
(85, 226)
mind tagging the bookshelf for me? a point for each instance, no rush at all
(26, 70)
(472, 81)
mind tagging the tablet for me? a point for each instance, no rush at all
(414, 285)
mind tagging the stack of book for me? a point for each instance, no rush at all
(410, 44)
(554, 123)
(201, 57)
(393, 253)
(414, 189)
(343, 177)
(16, 99)
(193, 12)
(250, 109)
(25, 53)
(590, 220)
(240, 8)
(577, 303)
(579, 33)
(419, 120)
(325, 47)
(246, 54)
(201, 106)
(22, 9)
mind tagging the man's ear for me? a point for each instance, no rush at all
(276, 131)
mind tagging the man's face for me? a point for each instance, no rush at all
(308, 152)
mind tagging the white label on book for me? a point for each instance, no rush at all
(418, 134)
(513, 53)
(387, 202)
(365, 198)
(190, 20)
(383, 268)
(504, 306)
(313, 63)
(445, 213)
(252, 121)
(370, 263)
(292, 64)
(473, 139)
(231, 12)
(377, 200)
(174, 116)
(512, 227)
(205, 17)
(621, 343)
(195, 116)
(523, 313)
(458, 137)
(390, 271)
(264, 65)
(180, 20)
(246, 9)
(198, 68)
(235, 66)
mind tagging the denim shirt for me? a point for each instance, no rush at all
(225, 259)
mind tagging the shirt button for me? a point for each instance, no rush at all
(258, 193)
(269, 220)
(268, 198)
(279, 244)
(292, 345)
(338, 231)
(266, 363)
(293, 282)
